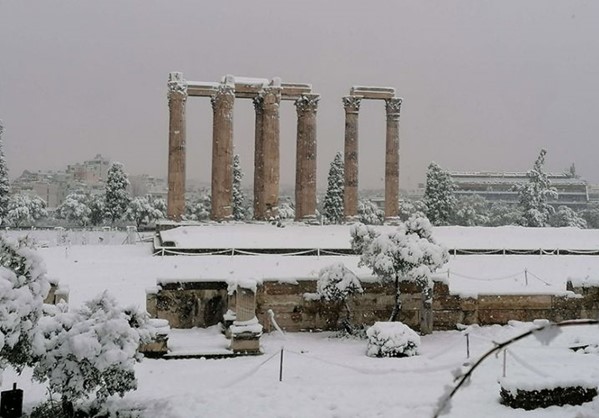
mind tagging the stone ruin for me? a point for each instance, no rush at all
(266, 96)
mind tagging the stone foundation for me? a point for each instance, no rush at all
(181, 303)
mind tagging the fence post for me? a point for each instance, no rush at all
(281, 366)
(526, 276)
(467, 345)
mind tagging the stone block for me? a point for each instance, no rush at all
(514, 302)
(502, 316)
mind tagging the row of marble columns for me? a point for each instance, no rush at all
(350, 194)
(266, 158)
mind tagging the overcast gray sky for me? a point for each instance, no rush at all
(486, 84)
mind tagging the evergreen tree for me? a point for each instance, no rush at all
(533, 195)
(116, 196)
(439, 195)
(4, 184)
(238, 202)
(97, 208)
(333, 200)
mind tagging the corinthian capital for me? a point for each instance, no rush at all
(271, 97)
(393, 106)
(307, 103)
(352, 104)
(258, 103)
(177, 87)
(223, 98)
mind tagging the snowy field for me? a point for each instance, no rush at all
(324, 376)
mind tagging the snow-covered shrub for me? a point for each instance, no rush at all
(392, 339)
(504, 214)
(336, 282)
(75, 208)
(470, 211)
(146, 210)
(24, 210)
(91, 351)
(369, 213)
(407, 208)
(198, 209)
(23, 288)
(286, 210)
(565, 216)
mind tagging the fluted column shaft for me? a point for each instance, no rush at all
(271, 153)
(393, 107)
(259, 207)
(177, 97)
(350, 191)
(222, 152)
(305, 166)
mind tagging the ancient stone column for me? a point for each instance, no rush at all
(305, 167)
(393, 107)
(222, 152)
(350, 191)
(259, 207)
(270, 151)
(177, 96)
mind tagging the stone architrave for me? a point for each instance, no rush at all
(393, 107)
(305, 168)
(259, 207)
(350, 191)
(177, 96)
(270, 151)
(222, 152)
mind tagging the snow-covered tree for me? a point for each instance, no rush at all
(504, 214)
(116, 195)
(90, 351)
(97, 207)
(145, 210)
(533, 195)
(333, 200)
(565, 216)
(369, 213)
(407, 208)
(408, 254)
(238, 200)
(23, 288)
(4, 182)
(439, 195)
(591, 215)
(198, 209)
(75, 208)
(336, 283)
(470, 211)
(24, 210)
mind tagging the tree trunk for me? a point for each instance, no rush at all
(397, 308)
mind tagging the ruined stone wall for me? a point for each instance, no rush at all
(185, 304)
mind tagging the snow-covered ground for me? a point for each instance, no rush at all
(323, 376)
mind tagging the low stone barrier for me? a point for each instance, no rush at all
(187, 304)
